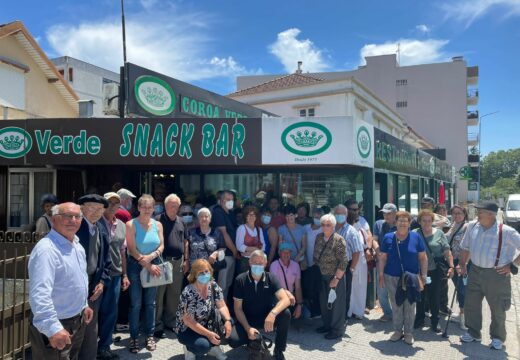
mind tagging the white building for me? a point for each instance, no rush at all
(87, 80)
(435, 100)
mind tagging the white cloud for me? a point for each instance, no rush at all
(170, 43)
(289, 50)
(422, 28)
(411, 51)
(468, 11)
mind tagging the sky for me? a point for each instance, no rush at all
(210, 42)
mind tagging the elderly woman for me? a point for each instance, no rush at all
(459, 217)
(196, 328)
(205, 242)
(145, 243)
(270, 235)
(401, 251)
(249, 236)
(437, 249)
(295, 235)
(330, 256)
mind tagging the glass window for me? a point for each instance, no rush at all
(43, 184)
(311, 112)
(391, 189)
(189, 188)
(414, 196)
(249, 187)
(18, 199)
(402, 192)
(303, 112)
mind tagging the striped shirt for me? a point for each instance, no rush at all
(353, 238)
(482, 244)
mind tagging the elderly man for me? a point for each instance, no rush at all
(354, 247)
(43, 224)
(176, 248)
(59, 288)
(260, 302)
(126, 197)
(491, 248)
(94, 239)
(116, 231)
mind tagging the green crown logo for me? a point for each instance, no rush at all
(154, 97)
(12, 142)
(307, 139)
(364, 142)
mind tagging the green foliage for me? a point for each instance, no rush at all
(500, 165)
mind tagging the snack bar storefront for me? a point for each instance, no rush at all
(323, 161)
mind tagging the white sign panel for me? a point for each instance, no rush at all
(363, 152)
(311, 140)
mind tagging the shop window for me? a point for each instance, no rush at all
(414, 196)
(189, 189)
(402, 192)
(254, 188)
(26, 188)
(391, 189)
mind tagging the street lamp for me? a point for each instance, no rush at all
(479, 153)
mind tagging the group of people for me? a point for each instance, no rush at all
(240, 272)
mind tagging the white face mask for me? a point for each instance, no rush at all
(332, 298)
(229, 204)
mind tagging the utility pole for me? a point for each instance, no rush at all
(479, 153)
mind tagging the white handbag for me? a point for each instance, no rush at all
(166, 277)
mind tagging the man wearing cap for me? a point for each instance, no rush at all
(43, 224)
(59, 288)
(116, 231)
(94, 239)
(381, 228)
(439, 221)
(288, 274)
(126, 197)
(491, 247)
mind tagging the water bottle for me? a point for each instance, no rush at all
(428, 280)
(465, 280)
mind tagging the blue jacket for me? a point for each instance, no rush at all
(104, 265)
(413, 289)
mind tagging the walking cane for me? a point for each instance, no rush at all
(445, 333)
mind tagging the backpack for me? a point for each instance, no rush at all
(259, 348)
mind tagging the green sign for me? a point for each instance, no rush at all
(364, 142)
(306, 138)
(154, 95)
(15, 142)
(472, 185)
(466, 173)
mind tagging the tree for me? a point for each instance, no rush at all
(500, 165)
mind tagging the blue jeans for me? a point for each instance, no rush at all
(108, 312)
(140, 296)
(382, 294)
(196, 343)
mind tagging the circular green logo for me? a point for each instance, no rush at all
(364, 142)
(306, 138)
(154, 95)
(15, 142)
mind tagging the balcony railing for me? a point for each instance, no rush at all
(472, 118)
(472, 96)
(472, 139)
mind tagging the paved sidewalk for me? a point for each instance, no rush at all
(368, 339)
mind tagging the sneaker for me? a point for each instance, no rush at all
(122, 327)
(467, 338)
(188, 355)
(385, 318)
(462, 322)
(496, 344)
(408, 338)
(445, 311)
(216, 351)
(396, 336)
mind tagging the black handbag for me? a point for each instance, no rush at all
(259, 348)
(440, 262)
(216, 322)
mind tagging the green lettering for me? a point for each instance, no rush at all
(239, 136)
(185, 104)
(208, 134)
(171, 144)
(202, 109)
(156, 146)
(79, 144)
(223, 141)
(42, 142)
(187, 131)
(141, 139)
(126, 146)
(67, 141)
(93, 145)
(193, 106)
(216, 113)
(209, 111)
(56, 144)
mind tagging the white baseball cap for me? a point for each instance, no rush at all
(125, 193)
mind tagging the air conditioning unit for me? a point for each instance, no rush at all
(111, 99)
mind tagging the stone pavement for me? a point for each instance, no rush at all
(368, 339)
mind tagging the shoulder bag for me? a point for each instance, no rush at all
(166, 277)
(303, 263)
(216, 322)
(259, 348)
(402, 279)
(440, 262)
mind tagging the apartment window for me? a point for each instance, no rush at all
(306, 112)
(71, 79)
(401, 82)
(62, 72)
(401, 104)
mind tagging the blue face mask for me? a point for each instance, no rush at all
(158, 209)
(204, 278)
(316, 222)
(341, 218)
(266, 219)
(257, 270)
(187, 219)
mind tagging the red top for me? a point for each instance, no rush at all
(123, 215)
(278, 220)
(253, 241)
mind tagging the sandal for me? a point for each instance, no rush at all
(150, 343)
(134, 346)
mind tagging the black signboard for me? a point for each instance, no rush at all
(141, 141)
(152, 94)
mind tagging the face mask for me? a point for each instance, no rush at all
(332, 298)
(316, 222)
(229, 204)
(158, 209)
(266, 219)
(204, 278)
(257, 270)
(341, 218)
(128, 207)
(187, 219)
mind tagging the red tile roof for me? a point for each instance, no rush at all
(284, 82)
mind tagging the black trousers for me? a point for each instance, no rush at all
(432, 294)
(239, 335)
(444, 293)
(41, 349)
(348, 284)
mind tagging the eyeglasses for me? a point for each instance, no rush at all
(327, 225)
(457, 213)
(402, 220)
(95, 208)
(71, 217)
(252, 215)
(353, 209)
(186, 213)
(203, 272)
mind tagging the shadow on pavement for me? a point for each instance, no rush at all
(399, 348)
